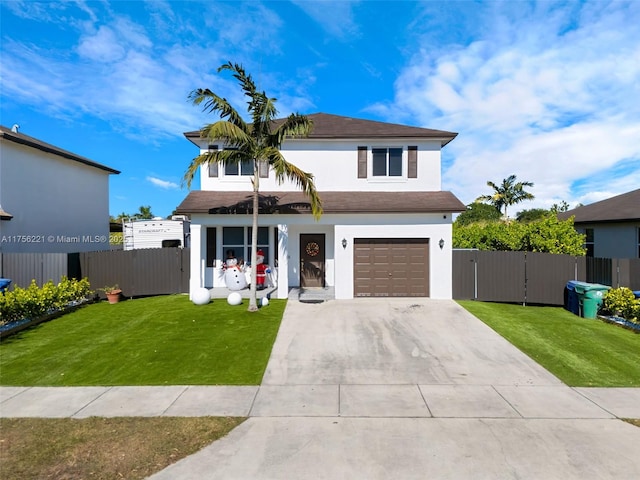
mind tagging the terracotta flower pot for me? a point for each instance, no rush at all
(113, 296)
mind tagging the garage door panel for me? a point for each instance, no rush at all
(391, 267)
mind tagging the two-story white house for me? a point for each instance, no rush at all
(386, 226)
(54, 201)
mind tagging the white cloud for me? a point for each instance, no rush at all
(335, 17)
(167, 185)
(550, 96)
(138, 79)
(101, 47)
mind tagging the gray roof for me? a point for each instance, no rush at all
(23, 139)
(203, 201)
(327, 126)
(621, 208)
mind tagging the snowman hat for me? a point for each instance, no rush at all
(260, 252)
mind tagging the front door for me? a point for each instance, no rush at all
(312, 257)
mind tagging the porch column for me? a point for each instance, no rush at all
(283, 261)
(196, 262)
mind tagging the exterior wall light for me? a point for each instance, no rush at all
(344, 243)
(441, 243)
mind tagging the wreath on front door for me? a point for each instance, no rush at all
(312, 249)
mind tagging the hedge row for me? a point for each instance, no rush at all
(33, 301)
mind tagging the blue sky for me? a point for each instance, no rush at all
(549, 91)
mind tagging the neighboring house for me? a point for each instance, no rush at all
(53, 200)
(612, 226)
(386, 226)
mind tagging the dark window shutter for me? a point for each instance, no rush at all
(211, 246)
(362, 162)
(213, 167)
(263, 169)
(412, 171)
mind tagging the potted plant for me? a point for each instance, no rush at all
(112, 292)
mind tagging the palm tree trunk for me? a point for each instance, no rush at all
(253, 303)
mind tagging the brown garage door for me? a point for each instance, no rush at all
(391, 267)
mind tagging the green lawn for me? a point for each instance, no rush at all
(580, 352)
(165, 340)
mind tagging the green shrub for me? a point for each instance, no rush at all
(622, 302)
(548, 235)
(33, 301)
(636, 312)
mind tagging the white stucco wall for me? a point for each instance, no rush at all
(339, 261)
(335, 168)
(58, 205)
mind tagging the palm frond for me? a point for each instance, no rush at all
(196, 163)
(230, 133)
(216, 104)
(301, 179)
(295, 125)
(239, 73)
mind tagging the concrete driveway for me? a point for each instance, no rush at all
(415, 389)
(394, 341)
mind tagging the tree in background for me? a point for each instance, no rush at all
(532, 214)
(548, 235)
(258, 142)
(561, 207)
(143, 213)
(506, 194)
(478, 212)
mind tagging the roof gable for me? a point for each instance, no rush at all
(327, 126)
(32, 142)
(621, 208)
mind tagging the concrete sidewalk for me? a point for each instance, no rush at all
(356, 401)
(380, 389)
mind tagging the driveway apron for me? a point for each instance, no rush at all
(394, 341)
(412, 389)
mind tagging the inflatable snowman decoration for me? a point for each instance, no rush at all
(234, 277)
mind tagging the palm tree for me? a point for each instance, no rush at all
(143, 213)
(507, 194)
(257, 142)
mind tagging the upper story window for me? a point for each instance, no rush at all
(244, 168)
(386, 162)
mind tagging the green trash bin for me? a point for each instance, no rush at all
(592, 299)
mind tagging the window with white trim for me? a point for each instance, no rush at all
(245, 168)
(386, 162)
(238, 240)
